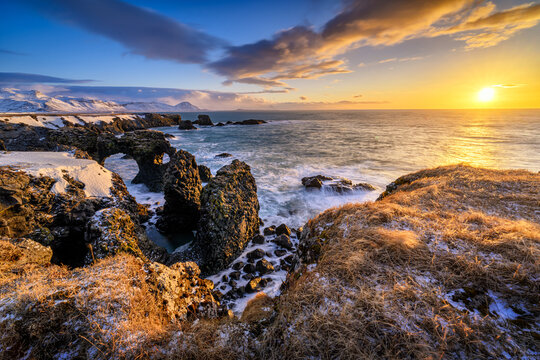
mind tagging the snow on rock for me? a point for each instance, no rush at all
(97, 179)
(57, 121)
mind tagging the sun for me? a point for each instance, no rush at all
(486, 94)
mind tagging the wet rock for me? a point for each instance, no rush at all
(182, 189)
(258, 239)
(289, 259)
(204, 173)
(264, 267)
(220, 124)
(271, 230)
(232, 283)
(249, 268)
(280, 252)
(248, 276)
(241, 291)
(250, 122)
(283, 265)
(229, 216)
(235, 275)
(225, 278)
(186, 125)
(255, 254)
(223, 155)
(283, 229)
(336, 184)
(254, 285)
(204, 120)
(284, 241)
(238, 265)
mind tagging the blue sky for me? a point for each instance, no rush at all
(279, 54)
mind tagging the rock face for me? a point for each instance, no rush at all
(204, 173)
(181, 290)
(111, 231)
(30, 209)
(229, 216)
(147, 148)
(334, 184)
(186, 125)
(182, 189)
(204, 120)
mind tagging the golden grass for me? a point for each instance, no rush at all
(414, 275)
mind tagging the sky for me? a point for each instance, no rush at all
(302, 54)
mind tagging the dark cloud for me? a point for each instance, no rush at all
(23, 78)
(142, 31)
(303, 52)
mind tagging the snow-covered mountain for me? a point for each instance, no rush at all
(15, 101)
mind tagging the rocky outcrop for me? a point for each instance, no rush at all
(204, 173)
(147, 148)
(181, 290)
(249, 122)
(334, 184)
(29, 208)
(186, 125)
(182, 189)
(204, 120)
(223, 155)
(229, 216)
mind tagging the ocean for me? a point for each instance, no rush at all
(364, 146)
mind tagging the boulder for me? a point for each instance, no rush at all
(249, 268)
(182, 189)
(280, 252)
(284, 241)
(271, 230)
(186, 125)
(254, 285)
(220, 124)
(204, 173)
(258, 239)
(255, 254)
(223, 155)
(250, 122)
(264, 266)
(283, 229)
(229, 216)
(315, 181)
(204, 120)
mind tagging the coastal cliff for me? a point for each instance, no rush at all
(443, 265)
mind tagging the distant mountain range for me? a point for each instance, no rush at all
(22, 101)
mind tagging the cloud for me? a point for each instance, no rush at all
(299, 52)
(303, 98)
(256, 81)
(23, 78)
(387, 61)
(9, 52)
(508, 86)
(142, 31)
(358, 96)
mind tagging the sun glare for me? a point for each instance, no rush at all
(486, 94)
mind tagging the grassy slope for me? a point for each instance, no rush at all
(445, 266)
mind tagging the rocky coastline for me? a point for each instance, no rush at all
(356, 271)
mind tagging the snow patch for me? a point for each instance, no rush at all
(97, 179)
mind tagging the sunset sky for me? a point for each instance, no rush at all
(302, 54)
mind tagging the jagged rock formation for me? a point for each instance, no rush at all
(186, 125)
(229, 216)
(335, 184)
(182, 189)
(29, 207)
(204, 173)
(147, 148)
(204, 120)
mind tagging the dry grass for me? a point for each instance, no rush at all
(421, 273)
